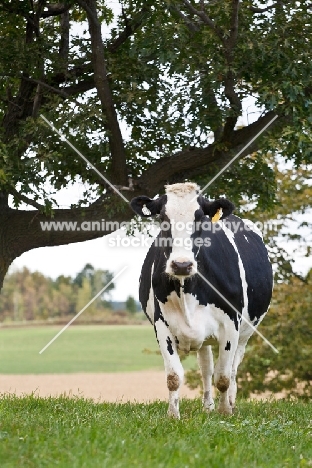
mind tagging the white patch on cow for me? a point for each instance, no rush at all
(252, 227)
(150, 306)
(230, 235)
(184, 305)
(180, 209)
(205, 322)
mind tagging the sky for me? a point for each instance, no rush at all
(70, 259)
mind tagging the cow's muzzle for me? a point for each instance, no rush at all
(181, 268)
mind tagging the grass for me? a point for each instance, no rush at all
(78, 433)
(79, 349)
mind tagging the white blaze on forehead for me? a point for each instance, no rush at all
(180, 209)
(179, 206)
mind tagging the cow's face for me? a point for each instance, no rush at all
(182, 211)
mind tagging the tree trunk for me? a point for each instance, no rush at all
(5, 258)
(4, 266)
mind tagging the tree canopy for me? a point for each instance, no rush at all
(150, 94)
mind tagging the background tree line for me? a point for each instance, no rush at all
(33, 296)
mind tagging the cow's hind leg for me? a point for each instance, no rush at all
(223, 370)
(244, 334)
(173, 366)
(240, 351)
(205, 360)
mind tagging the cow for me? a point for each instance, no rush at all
(206, 279)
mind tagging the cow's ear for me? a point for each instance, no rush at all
(217, 209)
(145, 206)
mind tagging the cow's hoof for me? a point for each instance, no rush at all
(225, 409)
(173, 409)
(173, 414)
(208, 407)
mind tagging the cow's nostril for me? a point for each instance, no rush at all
(181, 268)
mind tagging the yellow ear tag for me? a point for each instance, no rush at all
(217, 216)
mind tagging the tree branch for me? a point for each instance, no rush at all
(235, 103)
(54, 9)
(25, 199)
(64, 41)
(21, 222)
(189, 163)
(229, 82)
(22, 106)
(205, 18)
(132, 25)
(80, 87)
(60, 92)
(190, 24)
(231, 41)
(119, 168)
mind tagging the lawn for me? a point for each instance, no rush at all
(79, 349)
(78, 433)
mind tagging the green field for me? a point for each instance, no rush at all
(79, 349)
(76, 433)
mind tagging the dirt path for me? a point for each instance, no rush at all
(137, 387)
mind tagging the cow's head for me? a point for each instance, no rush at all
(182, 212)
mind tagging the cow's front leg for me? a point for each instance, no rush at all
(173, 366)
(205, 361)
(222, 375)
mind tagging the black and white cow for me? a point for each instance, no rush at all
(199, 278)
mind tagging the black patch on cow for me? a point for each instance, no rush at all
(210, 208)
(218, 263)
(169, 346)
(156, 334)
(158, 314)
(154, 206)
(228, 346)
(164, 238)
(258, 270)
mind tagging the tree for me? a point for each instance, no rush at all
(175, 73)
(131, 305)
(33, 296)
(97, 280)
(288, 220)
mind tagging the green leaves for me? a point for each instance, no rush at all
(167, 80)
(168, 68)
